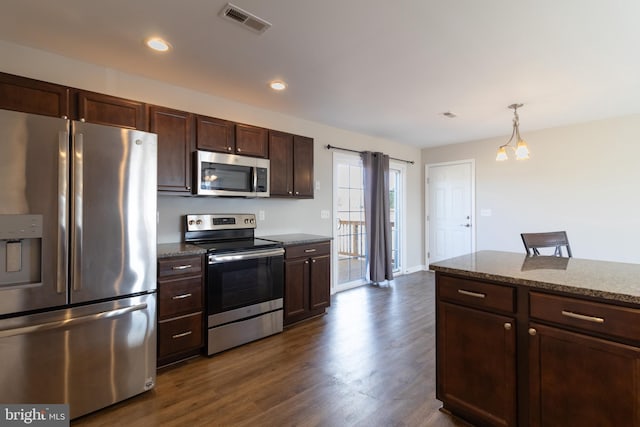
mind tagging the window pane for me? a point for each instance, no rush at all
(351, 231)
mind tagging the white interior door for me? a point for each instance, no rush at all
(450, 210)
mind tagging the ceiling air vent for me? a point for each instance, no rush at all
(244, 18)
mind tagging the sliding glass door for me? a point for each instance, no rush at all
(350, 230)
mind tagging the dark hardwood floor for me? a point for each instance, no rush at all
(370, 361)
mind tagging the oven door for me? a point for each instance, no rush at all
(242, 279)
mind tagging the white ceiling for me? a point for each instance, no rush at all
(384, 68)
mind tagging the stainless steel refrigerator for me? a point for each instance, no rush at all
(77, 262)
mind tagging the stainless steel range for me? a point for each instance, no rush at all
(244, 279)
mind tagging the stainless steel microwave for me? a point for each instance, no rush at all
(219, 174)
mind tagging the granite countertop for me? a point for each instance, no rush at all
(295, 238)
(603, 279)
(166, 250)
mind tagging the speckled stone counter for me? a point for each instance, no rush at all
(609, 280)
(166, 250)
(295, 239)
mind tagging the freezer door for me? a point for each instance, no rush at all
(33, 211)
(113, 241)
(89, 357)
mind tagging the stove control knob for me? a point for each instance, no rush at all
(191, 222)
(198, 222)
(252, 220)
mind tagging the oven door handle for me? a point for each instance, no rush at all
(242, 256)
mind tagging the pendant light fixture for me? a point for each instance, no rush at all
(521, 149)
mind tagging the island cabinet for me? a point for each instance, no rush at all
(521, 351)
(476, 350)
(584, 365)
(307, 269)
(291, 159)
(33, 96)
(180, 308)
(176, 135)
(109, 110)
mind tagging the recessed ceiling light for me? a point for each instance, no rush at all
(158, 44)
(278, 85)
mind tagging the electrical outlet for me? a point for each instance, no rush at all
(325, 214)
(260, 215)
(318, 185)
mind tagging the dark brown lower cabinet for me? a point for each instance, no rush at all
(578, 380)
(180, 308)
(510, 355)
(307, 270)
(477, 364)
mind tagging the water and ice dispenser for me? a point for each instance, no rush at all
(20, 250)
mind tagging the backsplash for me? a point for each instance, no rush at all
(281, 216)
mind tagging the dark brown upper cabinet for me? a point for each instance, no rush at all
(33, 96)
(302, 166)
(281, 164)
(215, 134)
(176, 136)
(251, 141)
(110, 110)
(291, 169)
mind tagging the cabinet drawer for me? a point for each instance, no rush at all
(477, 294)
(312, 249)
(180, 296)
(179, 335)
(598, 317)
(179, 266)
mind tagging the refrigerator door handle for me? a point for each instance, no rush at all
(76, 244)
(63, 162)
(58, 324)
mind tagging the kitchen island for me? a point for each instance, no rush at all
(538, 341)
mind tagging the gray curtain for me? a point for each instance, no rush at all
(376, 216)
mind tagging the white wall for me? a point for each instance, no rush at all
(281, 216)
(582, 178)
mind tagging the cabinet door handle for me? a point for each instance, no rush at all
(239, 150)
(582, 317)
(184, 334)
(181, 267)
(507, 326)
(308, 251)
(313, 260)
(183, 296)
(471, 294)
(532, 331)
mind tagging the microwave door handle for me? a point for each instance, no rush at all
(255, 181)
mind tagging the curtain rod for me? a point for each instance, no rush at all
(329, 147)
